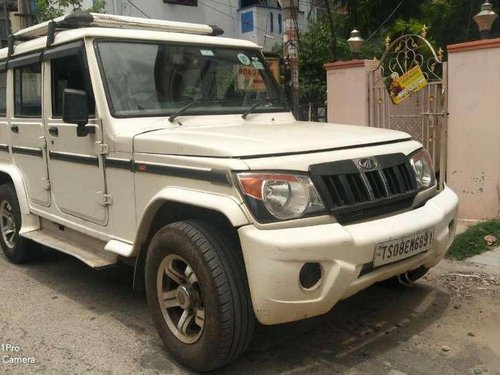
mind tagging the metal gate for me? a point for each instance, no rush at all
(424, 113)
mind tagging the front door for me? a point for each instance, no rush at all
(75, 163)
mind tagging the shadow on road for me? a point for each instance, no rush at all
(358, 329)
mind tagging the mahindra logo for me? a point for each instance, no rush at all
(367, 164)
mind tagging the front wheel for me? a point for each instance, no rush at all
(198, 294)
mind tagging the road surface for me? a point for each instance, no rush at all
(68, 318)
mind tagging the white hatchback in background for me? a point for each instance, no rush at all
(173, 150)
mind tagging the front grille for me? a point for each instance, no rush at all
(352, 193)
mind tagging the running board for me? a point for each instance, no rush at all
(91, 256)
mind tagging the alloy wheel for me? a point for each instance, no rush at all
(7, 224)
(180, 297)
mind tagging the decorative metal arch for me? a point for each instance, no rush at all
(408, 51)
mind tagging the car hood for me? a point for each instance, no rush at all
(256, 140)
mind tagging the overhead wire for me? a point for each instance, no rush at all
(469, 21)
(138, 9)
(267, 25)
(386, 20)
(296, 25)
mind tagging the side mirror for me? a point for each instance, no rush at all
(76, 110)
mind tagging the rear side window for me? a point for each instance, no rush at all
(69, 73)
(28, 90)
(3, 94)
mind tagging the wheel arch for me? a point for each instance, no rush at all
(11, 174)
(175, 204)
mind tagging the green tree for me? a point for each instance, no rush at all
(315, 51)
(49, 9)
(448, 22)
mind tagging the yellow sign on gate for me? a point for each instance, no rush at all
(400, 87)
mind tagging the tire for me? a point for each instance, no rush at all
(406, 279)
(203, 282)
(17, 249)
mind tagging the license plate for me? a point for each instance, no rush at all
(402, 248)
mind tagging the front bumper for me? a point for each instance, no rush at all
(273, 258)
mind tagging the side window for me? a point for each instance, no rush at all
(28, 90)
(69, 73)
(3, 94)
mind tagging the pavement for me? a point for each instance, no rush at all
(490, 258)
(70, 319)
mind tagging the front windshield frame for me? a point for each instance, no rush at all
(282, 98)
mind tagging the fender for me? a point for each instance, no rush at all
(224, 204)
(29, 221)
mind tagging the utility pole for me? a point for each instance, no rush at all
(291, 48)
(332, 28)
(6, 22)
(23, 12)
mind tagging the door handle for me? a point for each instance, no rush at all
(14, 129)
(54, 131)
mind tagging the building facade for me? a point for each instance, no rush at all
(260, 21)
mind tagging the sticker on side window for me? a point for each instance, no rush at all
(207, 52)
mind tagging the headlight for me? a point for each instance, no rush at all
(273, 196)
(422, 165)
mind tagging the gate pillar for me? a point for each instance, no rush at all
(347, 94)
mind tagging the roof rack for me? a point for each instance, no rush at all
(78, 19)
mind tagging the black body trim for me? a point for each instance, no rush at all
(25, 60)
(27, 151)
(120, 164)
(64, 50)
(74, 158)
(218, 176)
(4, 147)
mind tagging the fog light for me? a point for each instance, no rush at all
(310, 275)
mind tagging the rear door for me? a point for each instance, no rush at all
(26, 127)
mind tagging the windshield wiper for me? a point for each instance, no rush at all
(245, 114)
(182, 110)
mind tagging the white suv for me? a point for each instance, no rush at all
(161, 145)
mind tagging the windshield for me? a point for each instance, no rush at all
(157, 79)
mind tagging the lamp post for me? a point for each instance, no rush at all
(355, 42)
(291, 48)
(485, 19)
